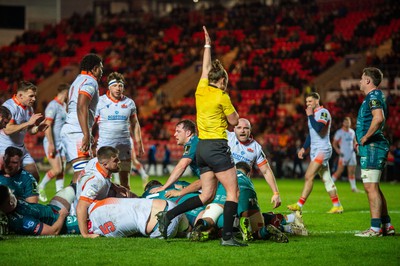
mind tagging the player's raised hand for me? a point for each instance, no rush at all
(206, 36)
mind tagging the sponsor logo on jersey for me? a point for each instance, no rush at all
(187, 149)
(28, 224)
(124, 106)
(375, 104)
(240, 158)
(90, 193)
(324, 116)
(250, 150)
(35, 187)
(117, 117)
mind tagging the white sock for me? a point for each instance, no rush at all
(143, 173)
(353, 183)
(290, 218)
(376, 229)
(44, 181)
(59, 184)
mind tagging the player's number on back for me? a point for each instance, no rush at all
(107, 227)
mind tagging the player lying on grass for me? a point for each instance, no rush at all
(36, 219)
(118, 217)
(253, 223)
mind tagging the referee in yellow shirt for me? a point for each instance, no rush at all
(214, 112)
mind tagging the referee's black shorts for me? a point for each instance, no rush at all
(214, 155)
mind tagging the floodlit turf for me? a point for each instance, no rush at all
(331, 240)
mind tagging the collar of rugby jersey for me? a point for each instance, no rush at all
(18, 102)
(88, 73)
(318, 108)
(114, 101)
(58, 100)
(101, 171)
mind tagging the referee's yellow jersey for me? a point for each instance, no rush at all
(213, 106)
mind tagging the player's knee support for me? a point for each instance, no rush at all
(370, 175)
(328, 181)
(79, 166)
(67, 193)
(125, 166)
(213, 211)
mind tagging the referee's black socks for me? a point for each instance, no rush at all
(189, 204)
(230, 210)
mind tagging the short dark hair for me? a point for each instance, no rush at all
(243, 166)
(12, 151)
(217, 72)
(63, 87)
(25, 86)
(375, 74)
(188, 125)
(107, 152)
(151, 184)
(5, 112)
(89, 61)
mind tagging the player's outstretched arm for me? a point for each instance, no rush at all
(82, 215)
(207, 55)
(270, 178)
(193, 187)
(176, 173)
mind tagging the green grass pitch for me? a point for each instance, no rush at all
(330, 242)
